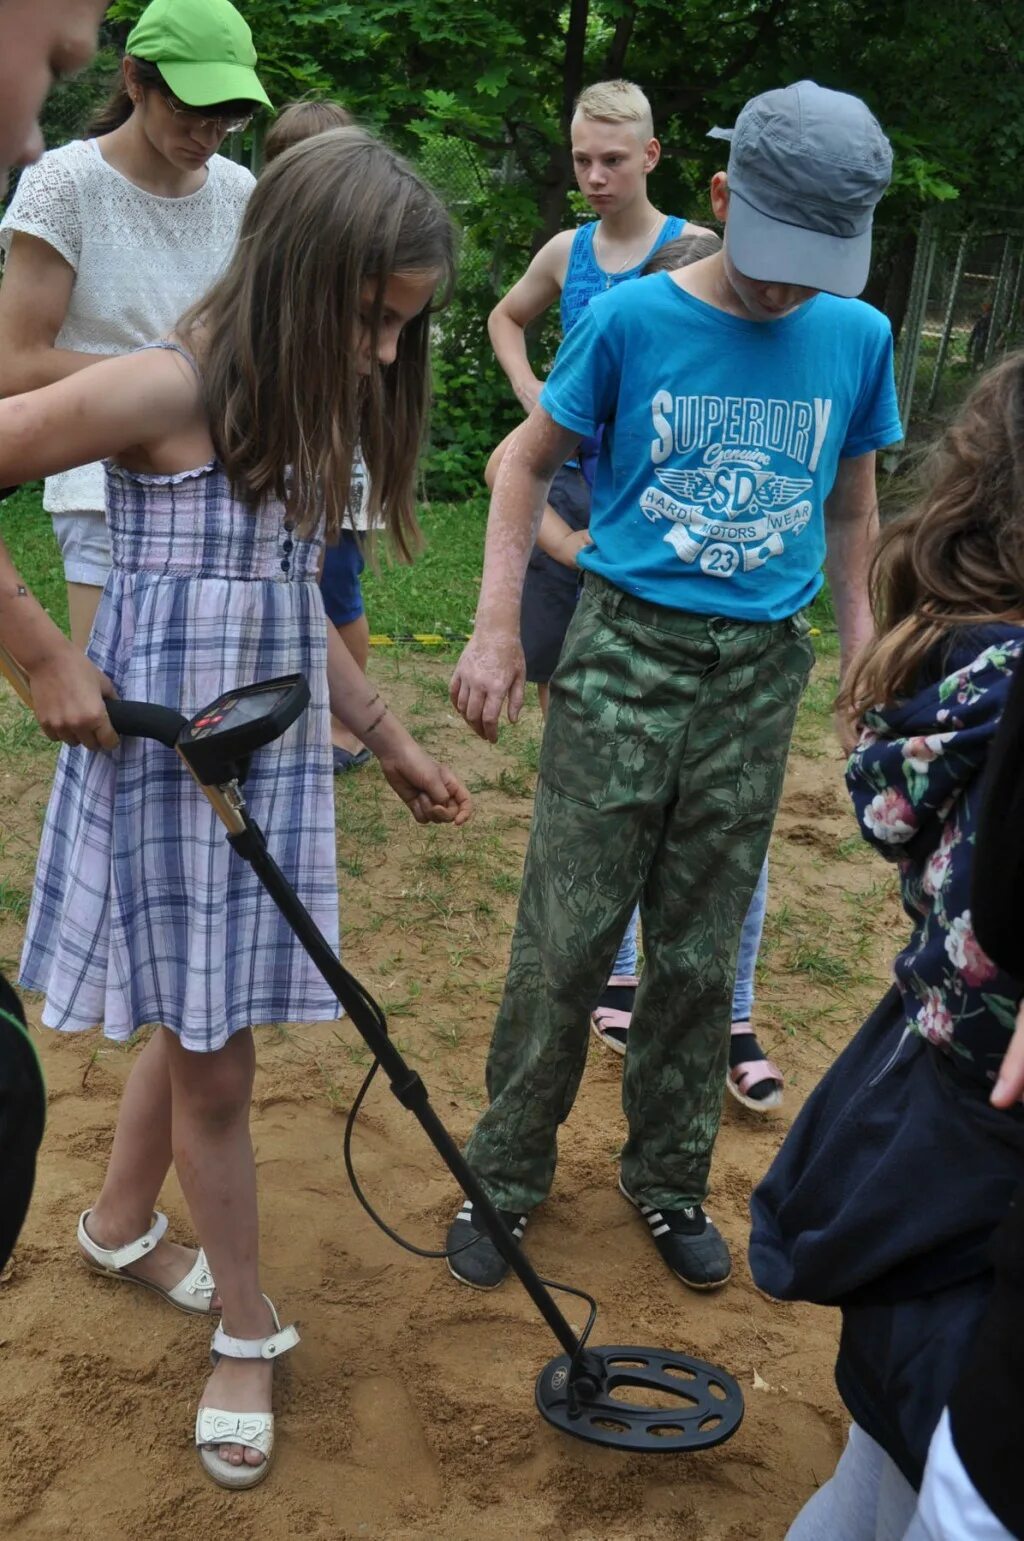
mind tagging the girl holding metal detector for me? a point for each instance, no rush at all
(228, 457)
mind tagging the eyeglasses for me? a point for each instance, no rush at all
(195, 119)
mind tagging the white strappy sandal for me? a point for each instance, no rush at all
(194, 1293)
(254, 1430)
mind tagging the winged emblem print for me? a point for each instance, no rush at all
(703, 502)
(729, 490)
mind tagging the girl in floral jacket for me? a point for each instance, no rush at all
(885, 1194)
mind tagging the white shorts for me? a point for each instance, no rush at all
(84, 546)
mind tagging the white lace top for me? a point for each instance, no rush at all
(140, 260)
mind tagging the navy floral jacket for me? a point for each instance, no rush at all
(916, 780)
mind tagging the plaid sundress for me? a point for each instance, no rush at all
(142, 913)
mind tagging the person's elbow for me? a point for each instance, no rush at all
(499, 321)
(23, 366)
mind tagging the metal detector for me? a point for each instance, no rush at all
(693, 1405)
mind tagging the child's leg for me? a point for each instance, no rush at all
(83, 602)
(627, 957)
(730, 776)
(85, 550)
(614, 1011)
(211, 1095)
(597, 821)
(754, 1080)
(950, 1508)
(865, 1499)
(750, 945)
(139, 1162)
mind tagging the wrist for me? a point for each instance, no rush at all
(31, 636)
(498, 625)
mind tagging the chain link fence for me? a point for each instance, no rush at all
(965, 310)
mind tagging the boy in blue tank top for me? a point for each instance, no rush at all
(742, 400)
(613, 151)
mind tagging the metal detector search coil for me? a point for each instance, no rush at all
(697, 1404)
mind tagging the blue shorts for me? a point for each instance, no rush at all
(551, 589)
(339, 581)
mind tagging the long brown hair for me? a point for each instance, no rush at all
(118, 107)
(276, 336)
(956, 558)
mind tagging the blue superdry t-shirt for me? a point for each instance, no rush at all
(722, 440)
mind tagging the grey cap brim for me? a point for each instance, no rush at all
(773, 252)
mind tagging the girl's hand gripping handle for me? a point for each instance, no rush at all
(68, 695)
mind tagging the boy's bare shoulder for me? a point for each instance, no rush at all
(553, 257)
(691, 229)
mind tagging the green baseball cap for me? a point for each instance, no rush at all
(202, 48)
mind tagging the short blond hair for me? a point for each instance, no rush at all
(617, 101)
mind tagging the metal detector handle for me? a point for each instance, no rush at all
(129, 719)
(140, 719)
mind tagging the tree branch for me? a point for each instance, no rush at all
(615, 59)
(572, 68)
(698, 90)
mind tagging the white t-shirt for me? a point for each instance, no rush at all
(140, 260)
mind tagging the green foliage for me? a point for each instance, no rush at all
(28, 535)
(438, 593)
(481, 96)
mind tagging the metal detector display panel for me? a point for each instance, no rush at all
(240, 722)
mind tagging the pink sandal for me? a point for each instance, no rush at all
(744, 1077)
(613, 1013)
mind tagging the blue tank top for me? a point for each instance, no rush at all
(583, 277)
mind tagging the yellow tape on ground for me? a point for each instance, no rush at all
(421, 638)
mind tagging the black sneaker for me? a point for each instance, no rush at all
(479, 1263)
(691, 1244)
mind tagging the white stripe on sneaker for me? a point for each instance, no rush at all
(660, 1230)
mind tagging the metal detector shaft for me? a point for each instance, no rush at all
(406, 1083)
(15, 675)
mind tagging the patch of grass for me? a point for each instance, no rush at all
(438, 593)
(14, 900)
(515, 783)
(28, 535)
(820, 963)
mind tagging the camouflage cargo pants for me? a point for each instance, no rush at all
(660, 774)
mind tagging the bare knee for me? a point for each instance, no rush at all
(214, 1089)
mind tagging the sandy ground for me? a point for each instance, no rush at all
(408, 1409)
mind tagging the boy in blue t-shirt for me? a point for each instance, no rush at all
(742, 401)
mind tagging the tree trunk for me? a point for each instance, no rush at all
(558, 177)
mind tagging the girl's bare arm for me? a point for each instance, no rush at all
(102, 411)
